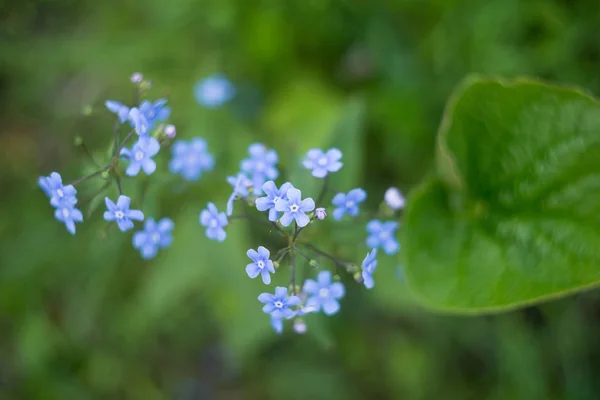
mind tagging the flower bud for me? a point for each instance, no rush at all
(105, 175)
(300, 327)
(394, 199)
(320, 213)
(136, 78)
(313, 263)
(78, 141)
(170, 131)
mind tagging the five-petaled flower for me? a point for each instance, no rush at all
(348, 203)
(214, 221)
(381, 235)
(279, 305)
(121, 213)
(191, 158)
(214, 91)
(120, 109)
(368, 268)
(241, 187)
(68, 214)
(294, 208)
(273, 195)
(59, 195)
(260, 265)
(153, 236)
(260, 166)
(140, 156)
(322, 163)
(154, 112)
(323, 294)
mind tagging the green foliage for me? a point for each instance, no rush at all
(512, 216)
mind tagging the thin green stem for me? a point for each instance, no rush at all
(297, 250)
(93, 174)
(323, 192)
(88, 154)
(293, 271)
(329, 256)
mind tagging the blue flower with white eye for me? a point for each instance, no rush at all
(260, 265)
(323, 294)
(279, 305)
(140, 156)
(294, 208)
(191, 158)
(155, 112)
(121, 213)
(348, 203)
(241, 187)
(322, 163)
(68, 214)
(214, 221)
(368, 268)
(273, 195)
(59, 195)
(153, 237)
(260, 166)
(381, 235)
(139, 121)
(214, 91)
(120, 109)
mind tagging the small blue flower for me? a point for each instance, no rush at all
(121, 213)
(140, 156)
(348, 203)
(241, 187)
(214, 221)
(260, 166)
(277, 325)
(191, 158)
(139, 121)
(323, 294)
(59, 195)
(273, 195)
(294, 208)
(121, 110)
(214, 91)
(68, 214)
(261, 264)
(155, 112)
(278, 305)
(368, 268)
(322, 163)
(381, 235)
(153, 236)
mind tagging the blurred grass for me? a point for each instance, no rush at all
(83, 317)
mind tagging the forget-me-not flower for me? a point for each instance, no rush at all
(214, 91)
(155, 112)
(68, 214)
(139, 121)
(120, 109)
(273, 195)
(121, 213)
(368, 268)
(260, 265)
(140, 156)
(214, 221)
(277, 325)
(394, 198)
(153, 236)
(279, 305)
(322, 163)
(381, 235)
(348, 203)
(261, 165)
(323, 294)
(59, 195)
(241, 187)
(191, 158)
(294, 208)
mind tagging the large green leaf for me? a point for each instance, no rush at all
(513, 216)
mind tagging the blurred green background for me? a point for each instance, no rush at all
(85, 318)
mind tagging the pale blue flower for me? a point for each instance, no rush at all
(381, 235)
(68, 214)
(191, 158)
(369, 265)
(294, 208)
(214, 91)
(121, 213)
(260, 166)
(153, 237)
(348, 203)
(323, 294)
(140, 155)
(260, 265)
(279, 305)
(273, 195)
(322, 163)
(59, 195)
(214, 221)
(120, 109)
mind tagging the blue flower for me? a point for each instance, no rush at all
(322, 163)
(68, 214)
(155, 112)
(121, 110)
(139, 121)
(261, 264)
(348, 203)
(214, 91)
(140, 156)
(273, 195)
(153, 236)
(278, 305)
(277, 325)
(241, 187)
(191, 158)
(121, 213)
(214, 221)
(381, 235)
(59, 195)
(260, 166)
(294, 208)
(323, 294)
(368, 268)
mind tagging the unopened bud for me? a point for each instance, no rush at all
(276, 264)
(145, 85)
(320, 213)
(86, 110)
(394, 199)
(78, 141)
(136, 78)
(313, 263)
(105, 175)
(170, 131)
(300, 327)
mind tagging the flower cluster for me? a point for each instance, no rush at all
(285, 210)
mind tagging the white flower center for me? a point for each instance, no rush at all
(139, 155)
(190, 159)
(384, 235)
(156, 237)
(119, 214)
(260, 166)
(278, 304)
(322, 161)
(349, 204)
(294, 208)
(151, 114)
(60, 193)
(324, 292)
(65, 212)
(213, 223)
(260, 264)
(213, 92)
